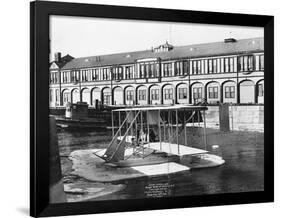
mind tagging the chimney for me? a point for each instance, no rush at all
(58, 57)
(228, 40)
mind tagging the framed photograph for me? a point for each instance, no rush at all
(143, 109)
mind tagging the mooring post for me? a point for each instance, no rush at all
(159, 128)
(141, 130)
(56, 189)
(169, 128)
(119, 123)
(184, 122)
(205, 136)
(224, 117)
(148, 139)
(177, 123)
(112, 123)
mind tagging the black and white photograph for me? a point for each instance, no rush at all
(150, 109)
(141, 108)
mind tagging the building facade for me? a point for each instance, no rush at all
(220, 72)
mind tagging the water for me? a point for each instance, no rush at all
(242, 172)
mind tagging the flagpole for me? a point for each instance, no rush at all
(80, 86)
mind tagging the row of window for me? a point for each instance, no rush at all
(250, 63)
(197, 93)
(213, 93)
(149, 70)
(118, 73)
(216, 65)
(152, 69)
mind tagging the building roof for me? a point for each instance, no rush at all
(189, 51)
(63, 61)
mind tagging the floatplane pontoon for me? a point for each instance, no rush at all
(155, 135)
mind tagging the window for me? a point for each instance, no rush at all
(260, 90)
(157, 70)
(203, 66)
(251, 63)
(226, 65)
(129, 72)
(168, 93)
(142, 71)
(185, 68)
(106, 73)
(178, 68)
(155, 94)
(262, 62)
(142, 95)
(106, 97)
(197, 93)
(84, 75)
(259, 62)
(229, 91)
(194, 65)
(246, 63)
(222, 65)
(231, 64)
(56, 77)
(219, 65)
(64, 77)
(235, 64)
(148, 70)
(182, 93)
(51, 78)
(117, 73)
(66, 97)
(72, 76)
(168, 70)
(51, 95)
(89, 75)
(210, 66)
(57, 95)
(153, 70)
(130, 95)
(215, 68)
(199, 67)
(95, 74)
(77, 76)
(114, 73)
(213, 92)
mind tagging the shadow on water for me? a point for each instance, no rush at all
(243, 170)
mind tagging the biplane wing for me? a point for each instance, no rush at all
(175, 149)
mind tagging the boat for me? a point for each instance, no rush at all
(76, 117)
(153, 135)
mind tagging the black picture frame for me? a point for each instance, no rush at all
(39, 107)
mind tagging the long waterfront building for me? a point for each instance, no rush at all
(227, 71)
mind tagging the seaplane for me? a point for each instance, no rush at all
(155, 135)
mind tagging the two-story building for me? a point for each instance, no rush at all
(227, 71)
